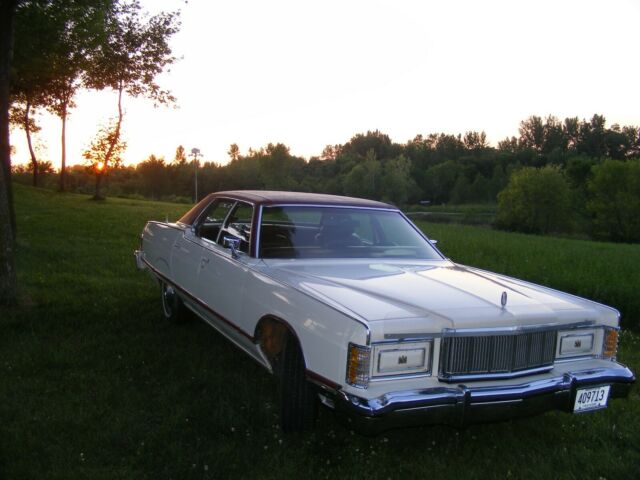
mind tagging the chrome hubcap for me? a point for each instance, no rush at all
(167, 299)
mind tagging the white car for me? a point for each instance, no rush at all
(352, 306)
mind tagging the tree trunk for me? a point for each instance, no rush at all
(27, 131)
(97, 195)
(63, 160)
(8, 281)
(112, 145)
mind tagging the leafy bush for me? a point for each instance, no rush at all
(615, 200)
(536, 200)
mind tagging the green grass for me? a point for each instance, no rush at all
(605, 272)
(93, 385)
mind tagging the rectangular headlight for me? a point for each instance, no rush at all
(577, 343)
(401, 358)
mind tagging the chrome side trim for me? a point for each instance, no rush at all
(464, 332)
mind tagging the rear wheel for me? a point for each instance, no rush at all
(172, 307)
(298, 402)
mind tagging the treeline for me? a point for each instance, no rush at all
(436, 169)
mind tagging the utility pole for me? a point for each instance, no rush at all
(195, 153)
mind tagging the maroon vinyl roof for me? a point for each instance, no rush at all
(270, 197)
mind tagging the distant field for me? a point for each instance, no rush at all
(94, 385)
(605, 272)
(471, 214)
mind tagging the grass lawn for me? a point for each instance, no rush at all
(94, 385)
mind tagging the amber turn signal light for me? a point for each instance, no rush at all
(358, 366)
(610, 345)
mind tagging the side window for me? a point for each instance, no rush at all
(211, 221)
(238, 226)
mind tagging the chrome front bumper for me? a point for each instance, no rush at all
(460, 405)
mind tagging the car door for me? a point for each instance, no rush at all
(223, 273)
(187, 252)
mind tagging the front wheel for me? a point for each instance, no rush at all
(298, 402)
(172, 307)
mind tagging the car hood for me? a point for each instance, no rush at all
(453, 296)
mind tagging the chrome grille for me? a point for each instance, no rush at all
(496, 355)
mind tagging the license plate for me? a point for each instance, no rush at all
(591, 398)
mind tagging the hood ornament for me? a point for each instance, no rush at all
(503, 299)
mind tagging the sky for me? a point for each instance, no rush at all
(310, 74)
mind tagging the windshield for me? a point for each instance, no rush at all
(330, 232)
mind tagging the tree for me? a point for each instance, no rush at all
(20, 115)
(475, 141)
(154, 177)
(536, 200)
(132, 52)
(8, 279)
(32, 69)
(234, 152)
(532, 133)
(591, 137)
(78, 26)
(364, 179)
(360, 144)
(103, 154)
(509, 145)
(439, 181)
(180, 157)
(571, 128)
(615, 200)
(398, 186)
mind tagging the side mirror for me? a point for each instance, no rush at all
(433, 242)
(232, 243)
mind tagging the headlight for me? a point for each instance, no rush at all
(599, 342)
(577, 343)
(387, 360)
(402, 358)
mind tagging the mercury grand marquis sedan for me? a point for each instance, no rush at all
(351, 305)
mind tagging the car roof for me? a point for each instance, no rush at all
(273, 197)
(281, 197)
